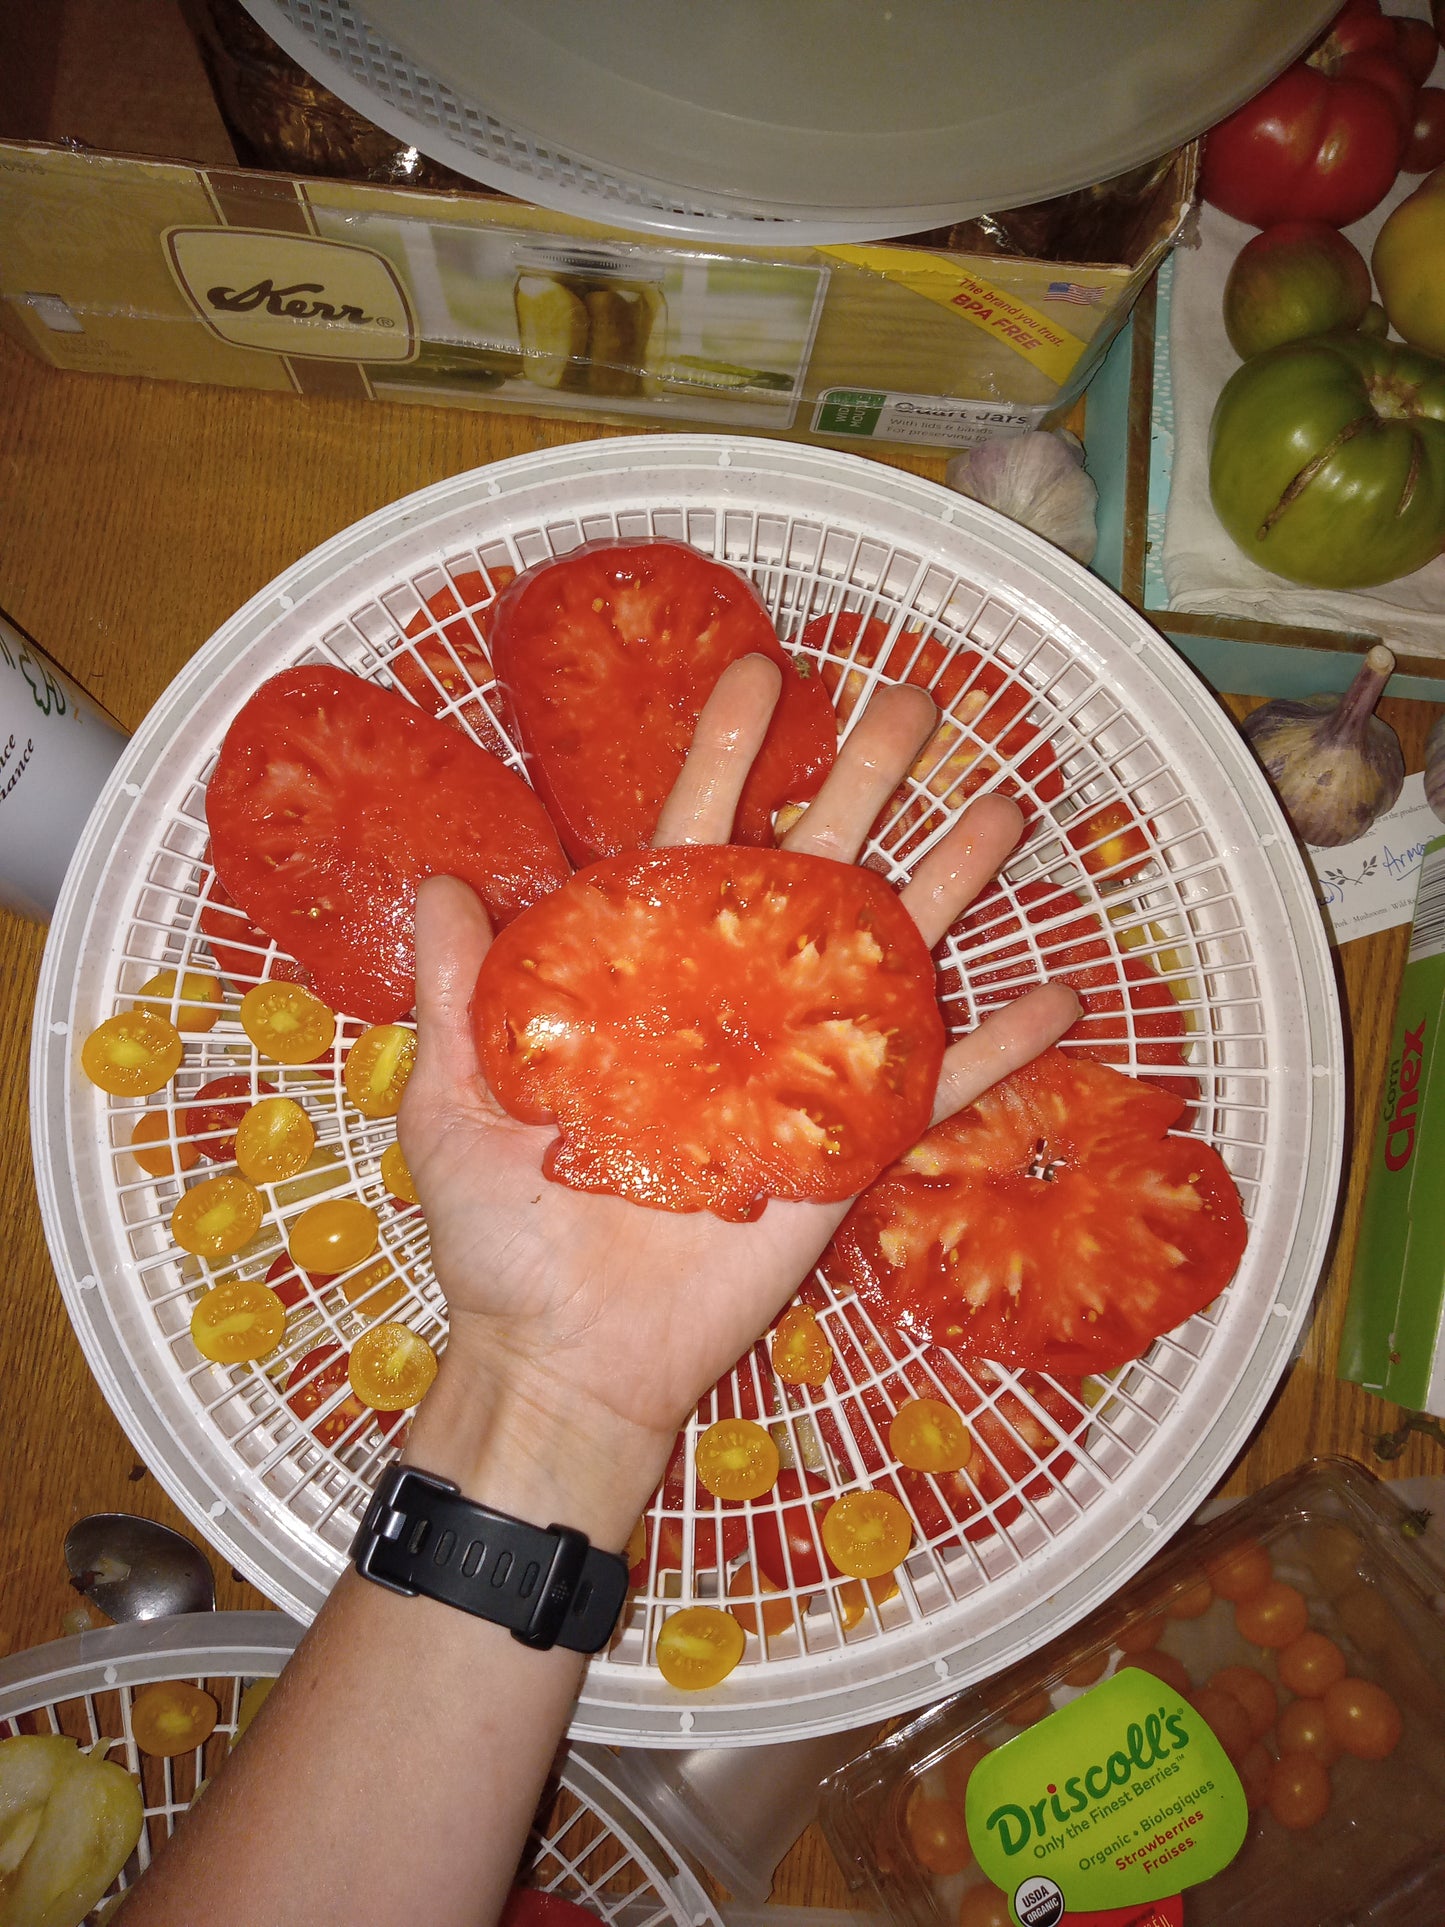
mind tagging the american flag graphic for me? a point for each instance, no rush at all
(1072, 291)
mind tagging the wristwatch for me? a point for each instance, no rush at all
(549, 1586)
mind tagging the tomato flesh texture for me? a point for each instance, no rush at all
(1053, 1224)
(239, 946)
(712, 1027)
(605, 658)
(530, 1907)
(171, 1718)
(330, 801)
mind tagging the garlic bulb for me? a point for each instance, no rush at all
(1435, 769)
(1037, 479)
(1333, 764)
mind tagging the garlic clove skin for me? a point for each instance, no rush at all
(1332, 763)
(1038, 480)
(1435, 769)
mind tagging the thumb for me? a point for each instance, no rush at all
(453, 934)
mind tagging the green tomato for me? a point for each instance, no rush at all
(1327, 460)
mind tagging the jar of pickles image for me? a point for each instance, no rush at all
(589, 319)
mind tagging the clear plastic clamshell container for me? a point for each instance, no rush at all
(1376, 1855)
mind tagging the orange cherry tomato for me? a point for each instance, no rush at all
(377, 1067)
(1140, 1634)
(984, 1906)
(195, 1009)
(867, 1533)
(1027, 1711)
(155, 1149)
(392, 1368)
(698, 1647)
(1087, 1670)
(333, 1236)
(217, 1216)
(927, 1435)
(854, 1594)
(958, 1769)
(286, 1023)
(1255, 1771)
(1163, 1666)
(1273, 1616)
(776, 1609)
(737, 1459)
(1299, 1791)
(936, 1833)
(377, 1290)
(133, 1055)
(1310, 1665)
(1362, 1718)
(799, 1348)
(1239, 1572)
(1303, 1728)
(1255, 1693)
(172, 1717)
(396, 1175)
(1192, 1603)
(1227, 1719)
(273, 1140)
(238, 1319)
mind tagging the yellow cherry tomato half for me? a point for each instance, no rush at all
(218, 1216)
(377, 1289)
(698, 1647)
(737, 1459)
(133, 1055)
(377, 1067)
(929, 1436)
(155, 1149)
(172, 1717)
(867, 1533)
(799, 1348)
(854, 1594)
(286, 1023)
(775, 1610)
(196, 1009)
(239, 1318)
(333, 1236)
(396, 1175)
(274, 1140)
(391, 1368)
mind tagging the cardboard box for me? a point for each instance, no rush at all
(121, 264)
(1128, 457)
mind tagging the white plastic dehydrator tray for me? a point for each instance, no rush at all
(590, 1843)
(1222, 906)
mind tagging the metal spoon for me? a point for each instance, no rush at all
(135, 1569)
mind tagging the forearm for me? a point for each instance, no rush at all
(394, 1771)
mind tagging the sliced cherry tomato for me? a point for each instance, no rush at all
(853, 1595)
(287, 1023)
(172, 1717)
(1310, 1665)
(314, 1381)
(720, 1534)
(712, 1027)
(928, 1436)
(332, 798)
(240, 947)
(377, 1067)
(1110, 842)
(196, 1008)
(238, 1319)
(1273, 1616)
(377, 1289)
(333, 1236)
(605, 658)
(799, 1348)
(937, 1833)
(867, 1533)
(132, 1055)
(396, 1174)
(736, 1459)
(217, 1216)
(774, 1607)
(1017, 1458)
(787, 1538)
(1298, 1795)
(156, 1150)
(530, 1907)
(214, 1114)
(1362, 1719)
(291, 1285)
(392, 1368)
(1052, 1224)
(698, 1647)
(444, 674)
(274, 1140)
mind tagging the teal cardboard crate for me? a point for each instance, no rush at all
(1128, 446)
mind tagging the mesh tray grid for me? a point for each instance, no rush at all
(1049, 1455)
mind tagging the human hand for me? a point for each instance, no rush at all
(584, 1328)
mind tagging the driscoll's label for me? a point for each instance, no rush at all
(1122, 1798)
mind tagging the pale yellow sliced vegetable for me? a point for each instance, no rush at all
(69, 1821)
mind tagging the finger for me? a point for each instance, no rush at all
(452, 937)
(1003, 1042)
(893, 728)
(728, 736)
(956, 869)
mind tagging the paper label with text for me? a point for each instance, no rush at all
(1369, 884)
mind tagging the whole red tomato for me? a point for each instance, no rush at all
(1426, 147)
(1324, 140)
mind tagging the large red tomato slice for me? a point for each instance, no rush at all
(1052, 1224)
(1122, 996)
(239, 946)
(606, 657)
(332, 798)
(447, 664)
(530, 1907)
(713, 1027)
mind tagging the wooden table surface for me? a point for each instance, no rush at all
(135, 517)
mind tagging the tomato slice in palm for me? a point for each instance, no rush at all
(332, 798)
(712, 1027)
(605, 658)
(1052, 1224)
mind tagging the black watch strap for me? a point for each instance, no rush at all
(549, 1586)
